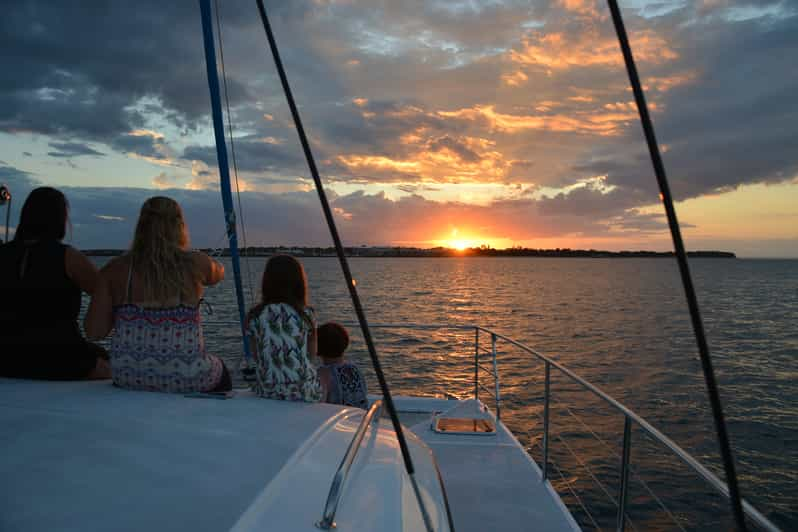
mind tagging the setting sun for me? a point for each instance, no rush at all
(460, 241)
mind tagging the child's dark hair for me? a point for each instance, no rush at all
(43, 215)
(333, 340)
(283, 281)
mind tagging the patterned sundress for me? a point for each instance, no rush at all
(282, 366)
(161, 349)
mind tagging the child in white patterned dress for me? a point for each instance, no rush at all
(282, 334)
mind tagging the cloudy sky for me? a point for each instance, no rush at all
(434, 122)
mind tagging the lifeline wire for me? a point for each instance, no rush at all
(684, 270)
(361, 316)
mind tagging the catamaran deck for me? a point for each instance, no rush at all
(88, 456)
(492, 483)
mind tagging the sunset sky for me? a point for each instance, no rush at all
(435, 122)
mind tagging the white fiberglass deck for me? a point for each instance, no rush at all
(87, 456)
(491, 482)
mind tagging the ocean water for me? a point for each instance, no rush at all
(623, 325)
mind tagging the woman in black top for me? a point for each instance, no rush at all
(41, 281)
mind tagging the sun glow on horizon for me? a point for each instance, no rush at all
(460, 241)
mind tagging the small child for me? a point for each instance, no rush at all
(282, 334)
(342, 381)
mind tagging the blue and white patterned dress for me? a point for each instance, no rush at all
(282, 366)
(347, 385)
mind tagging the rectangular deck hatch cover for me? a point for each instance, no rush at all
(453, 425)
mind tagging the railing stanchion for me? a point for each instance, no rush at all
(547, 390)
(476, 362)
(627, 444)
(496, 397)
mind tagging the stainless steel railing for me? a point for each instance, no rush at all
(630, 417)
(337, 488)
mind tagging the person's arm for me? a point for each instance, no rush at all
(99, 318)
(212, 270)
(80, 269)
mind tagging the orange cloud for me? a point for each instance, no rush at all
(446, 160)
(666, 83)
(559, 51)
(146, 133)
(581, 122)
(583, 7)
(377, 162)
(515, 79)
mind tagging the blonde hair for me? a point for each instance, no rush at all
(159, 248)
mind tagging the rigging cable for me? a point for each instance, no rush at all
(233, 149)
(221, 155)
(361, 316)
(684, 270)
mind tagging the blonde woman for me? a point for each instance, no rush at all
(150, 297)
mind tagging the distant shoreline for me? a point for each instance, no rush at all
(402, 252)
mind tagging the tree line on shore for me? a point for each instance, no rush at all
(398, 251)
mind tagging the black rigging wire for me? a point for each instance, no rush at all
(681, 257)
(361, 316)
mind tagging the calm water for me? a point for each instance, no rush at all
(623, 325)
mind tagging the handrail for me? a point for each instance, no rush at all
(709, 477)
(336, 489)
(683, 455)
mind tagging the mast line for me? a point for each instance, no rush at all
(684, 269)
(221, 156)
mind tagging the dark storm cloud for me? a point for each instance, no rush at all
(81, 71)
(142, 144)
(72, 149)
(252, 155)
(735, 124)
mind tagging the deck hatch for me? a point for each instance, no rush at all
(462, 425)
